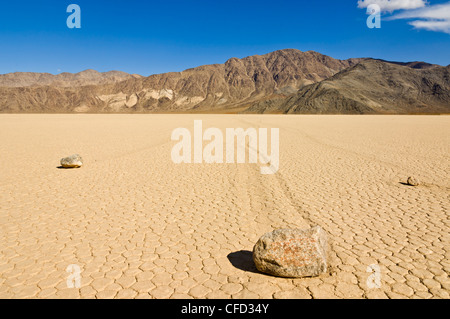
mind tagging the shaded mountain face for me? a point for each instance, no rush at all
(285, 81)
(372, 86)
(414, 65)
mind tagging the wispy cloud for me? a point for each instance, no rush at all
(432, 18)
(393, 5)
(421, 14)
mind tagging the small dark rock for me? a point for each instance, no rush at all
(412, 181)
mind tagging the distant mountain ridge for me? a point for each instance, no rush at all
(284, 81)
(65, 79)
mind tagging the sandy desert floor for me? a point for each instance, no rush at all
(140, 226)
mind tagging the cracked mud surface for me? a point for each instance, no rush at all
(140, 226)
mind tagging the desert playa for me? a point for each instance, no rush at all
(140, 226)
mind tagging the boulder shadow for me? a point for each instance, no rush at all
(243, 260)
(405, 184)
(62, 167)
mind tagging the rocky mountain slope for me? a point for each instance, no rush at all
(285, 81)
(372, 86)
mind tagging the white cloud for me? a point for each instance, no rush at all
(392, 5)
(440, 26)
(432, 18)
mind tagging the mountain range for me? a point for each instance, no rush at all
(285, 81)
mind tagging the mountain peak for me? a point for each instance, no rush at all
(89, 71)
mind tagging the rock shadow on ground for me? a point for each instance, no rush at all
(243, 260)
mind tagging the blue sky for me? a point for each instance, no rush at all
(148, 37)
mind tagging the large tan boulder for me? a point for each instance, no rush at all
(292, 253)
